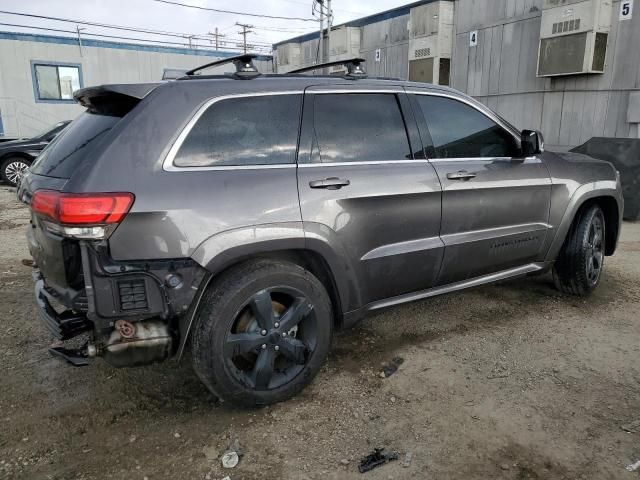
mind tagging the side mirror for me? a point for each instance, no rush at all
(531, 142)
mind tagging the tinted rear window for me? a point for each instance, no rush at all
(260, 130)
(73, 146)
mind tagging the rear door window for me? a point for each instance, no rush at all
(73, 146)
(352, 127)
(253, 130)
(460, 131)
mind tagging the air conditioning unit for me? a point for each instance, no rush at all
(344, 43)
(431, 42)
(573, 36)
(288, 57)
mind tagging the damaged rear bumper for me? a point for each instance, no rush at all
(64, 325)
(131, 310)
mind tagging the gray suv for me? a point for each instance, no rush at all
(246, 216)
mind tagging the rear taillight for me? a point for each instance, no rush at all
(73, 213)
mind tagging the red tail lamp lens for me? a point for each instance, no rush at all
(82, 208)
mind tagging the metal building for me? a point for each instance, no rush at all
(570, 68)
(38, 74)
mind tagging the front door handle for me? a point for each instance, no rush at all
(461, 175)
(331, 183)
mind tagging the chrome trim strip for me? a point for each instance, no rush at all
(489, 233)
(483, 110)
(356, 90)
(452, 287)
(173, 168)
(346, 164)
(402, 248)
(167, 164)
(486, 159)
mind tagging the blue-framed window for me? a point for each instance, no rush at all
(55, 82)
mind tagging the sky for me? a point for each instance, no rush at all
(154, 15)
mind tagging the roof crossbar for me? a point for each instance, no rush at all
(245, 69)
(354, 67)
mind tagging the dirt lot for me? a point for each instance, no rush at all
(512, 381)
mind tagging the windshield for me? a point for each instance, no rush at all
(50, 130)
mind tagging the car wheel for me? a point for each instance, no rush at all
(262, 333)
(578, 268)
(12, 169)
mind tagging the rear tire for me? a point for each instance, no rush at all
(262, 333)
(12, 169)
(579, 265)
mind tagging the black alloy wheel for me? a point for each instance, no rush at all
(262, 333)
(271, 338)
(578, 268)
(595, 249)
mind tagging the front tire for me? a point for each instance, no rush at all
(12, 169)
(262, 333)
(579, 265)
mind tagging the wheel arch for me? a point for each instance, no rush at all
(226, 250)
(23, 155)
(611, 202)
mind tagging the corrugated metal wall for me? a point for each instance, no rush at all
(501, 72)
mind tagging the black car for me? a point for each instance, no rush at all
(17, 155)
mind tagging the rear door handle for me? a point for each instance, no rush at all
(461, 175)
(331, 183)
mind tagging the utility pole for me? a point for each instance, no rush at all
(329, 23)
(78, 29)
(320, 49)
(190, 38)
(216, 35)
(245, 30)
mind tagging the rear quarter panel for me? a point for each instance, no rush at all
(175, 212)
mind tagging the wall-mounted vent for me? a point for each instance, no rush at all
(566, 26)
(423, 52)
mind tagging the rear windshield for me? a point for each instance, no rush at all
(73, 146)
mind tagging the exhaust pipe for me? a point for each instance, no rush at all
(135, 344)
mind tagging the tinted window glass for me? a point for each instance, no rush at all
(359, 127)
(261, 130)
(73, 146)
(458, 130)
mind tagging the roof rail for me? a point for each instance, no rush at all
(354, 69)
(245, 69)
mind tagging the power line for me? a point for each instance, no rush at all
(98, 24)
(186, 36)
(300, 2)
(164, 42)
(235, 13)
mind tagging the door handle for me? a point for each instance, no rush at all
(331, 183)
(461, 175)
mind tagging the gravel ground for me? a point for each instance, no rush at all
(510, 381)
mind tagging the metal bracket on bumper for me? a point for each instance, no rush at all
(63, 326)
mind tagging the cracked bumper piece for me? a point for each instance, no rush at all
(64, 325)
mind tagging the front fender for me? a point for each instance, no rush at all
(601, 188)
